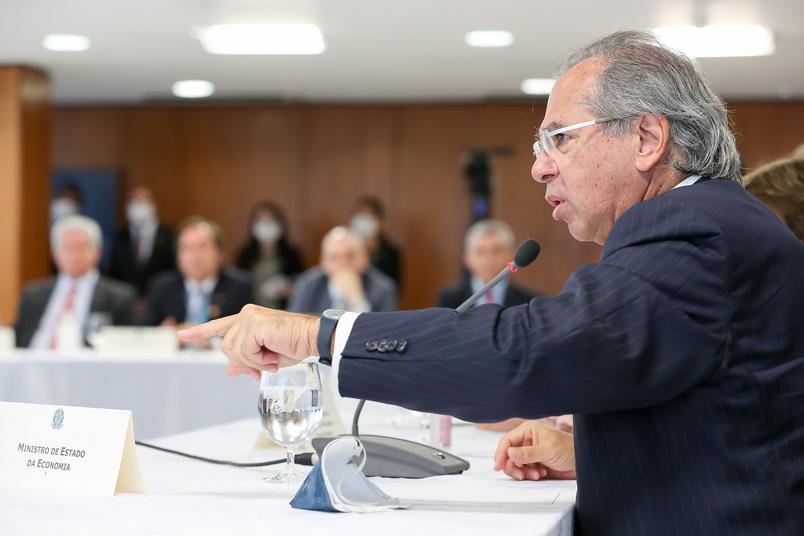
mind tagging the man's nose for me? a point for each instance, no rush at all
(544, 168)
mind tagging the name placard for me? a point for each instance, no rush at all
(67, 449)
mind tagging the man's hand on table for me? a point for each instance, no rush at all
(534, 451)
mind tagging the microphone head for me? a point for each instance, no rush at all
(526, 253)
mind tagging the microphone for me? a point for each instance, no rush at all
(398, 458)
(526, 253)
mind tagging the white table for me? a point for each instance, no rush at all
(186, 497)
(168, 395)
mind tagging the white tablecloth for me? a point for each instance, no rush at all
(167, 396)
(186, 497)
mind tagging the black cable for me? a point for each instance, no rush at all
(306, 458)
(358, 411)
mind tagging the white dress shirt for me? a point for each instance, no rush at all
(143, 236)
(344, 328)
(84, 291)
(339, 301)
(198, 298)
(497, 292)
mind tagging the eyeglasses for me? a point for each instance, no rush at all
(545, 142)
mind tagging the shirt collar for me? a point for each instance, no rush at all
(205, 285)
(498, 289)
(692, 179)
(89, 278)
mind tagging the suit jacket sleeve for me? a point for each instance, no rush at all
(27, 320)
(125, 297)
(309, 287)
(154, 313)
(639, 328)
(388, 299)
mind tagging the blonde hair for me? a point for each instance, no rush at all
(780, 185)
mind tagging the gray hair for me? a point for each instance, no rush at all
(75, 223)
(341, 232)
(642, 76)
(489, 226)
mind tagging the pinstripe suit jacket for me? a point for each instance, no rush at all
(681, 354)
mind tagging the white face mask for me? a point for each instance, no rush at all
(61, 208)
(139, 213)
(365, 225)
(266, 230)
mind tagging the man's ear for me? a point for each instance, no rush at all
(653, 142)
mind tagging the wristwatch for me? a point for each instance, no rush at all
(329, 319)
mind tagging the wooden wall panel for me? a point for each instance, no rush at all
(24, 166)
(10, 210)
(348, 152)
(90, 137)
(37, 113)
(153, 156)
(233, 159)
(766, 131)
(314, 161)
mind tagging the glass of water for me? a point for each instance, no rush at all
(290, 404)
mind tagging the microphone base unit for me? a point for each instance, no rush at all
(393, 457)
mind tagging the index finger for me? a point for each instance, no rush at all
(217, 327)
(513, 438)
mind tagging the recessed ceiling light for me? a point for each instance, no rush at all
(489, 38)
(66, 42)
(715, 41)
(537, 86)
(193, 89)
(262, 39)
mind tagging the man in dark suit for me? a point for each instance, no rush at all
(144, 247)
(488, 245)
(59, 313)
(681, 353)
(344, 279)
(201, 289)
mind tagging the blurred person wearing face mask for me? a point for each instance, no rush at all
(367, 221)
(66, 202)
(267, 255)
(144, 247)
(60, 312)
(202, 289)
(344, 279)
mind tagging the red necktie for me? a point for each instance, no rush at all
(66, 310)
(489, 296)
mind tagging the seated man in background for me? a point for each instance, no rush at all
(344, 280)
(145, 247)
(488, 247)
(60, 312)
(202, 289)
(780, 185)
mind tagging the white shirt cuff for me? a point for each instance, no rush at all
(342, 332)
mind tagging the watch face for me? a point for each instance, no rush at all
(333, 314)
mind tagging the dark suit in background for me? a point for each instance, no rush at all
(387, 259)
(681, 354)
(311, 294)
(124, 266)
(167, 296)
(452, 297)
(113, 299)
